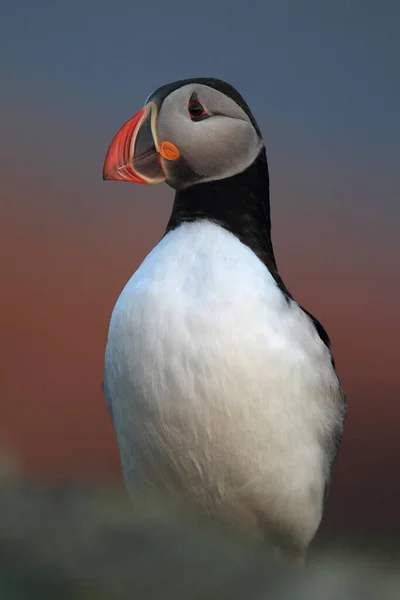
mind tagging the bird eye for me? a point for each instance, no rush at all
(196, 110)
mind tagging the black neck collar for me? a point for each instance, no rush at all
(240, 204)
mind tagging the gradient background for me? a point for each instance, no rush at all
(323, 82)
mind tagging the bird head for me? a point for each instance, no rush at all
(188, 132)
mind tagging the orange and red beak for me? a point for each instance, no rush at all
(135, 152)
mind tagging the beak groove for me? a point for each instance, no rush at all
(133, 153)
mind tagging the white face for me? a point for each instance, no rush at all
(221, 145)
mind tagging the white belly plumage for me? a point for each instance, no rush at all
(221, 387)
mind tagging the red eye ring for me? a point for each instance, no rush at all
(196, 110)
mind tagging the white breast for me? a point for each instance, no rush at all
(221, 386)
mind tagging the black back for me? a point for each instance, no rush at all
(240, 204)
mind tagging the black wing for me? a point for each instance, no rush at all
(333, 451)
(336, 442)
(106, 393)
(321, 332)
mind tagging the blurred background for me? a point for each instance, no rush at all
(323, 82)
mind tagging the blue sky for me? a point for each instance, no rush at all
(315, 69)
(321, 78)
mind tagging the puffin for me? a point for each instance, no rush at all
(221, 388)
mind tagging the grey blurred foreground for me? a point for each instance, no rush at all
(86, 542)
